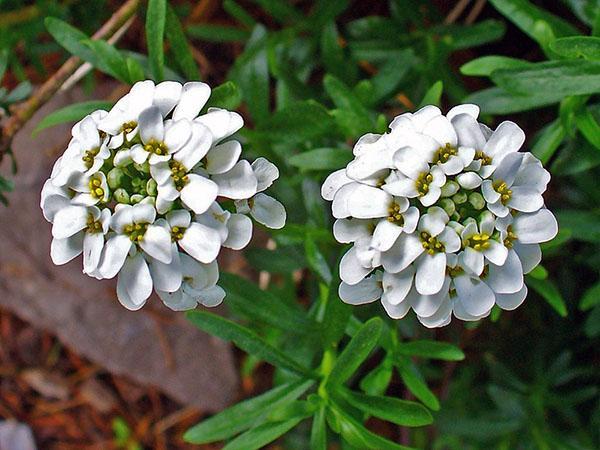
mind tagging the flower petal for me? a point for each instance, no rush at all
(167, 277)
(508, 277)
(351, 270)
(68, 221)
(509, 302)
(406, 249)
(427, 305)
(472, 260)
(199, 193)
(114, 255)
(194, 96)
(431, 272)
(238, 183)
(151, 125)
(476, 296)
(396, 286)
(467, 108)
(525, 199)
(222, 123)
(385, 235)
(64, 250)
(93, 243)
(529, 254)
(366, 291)
(507, 138)
(179, 218)
(535, 228)
(166, 96)
(223, 157)
(468, 131)
(333, 183)
(201, 242)
(266, 172)
(268, 211)
(349, 230)
(240, 232)
(134, 285)
(434, 221)
(177, 135)
(367, 202)
(441, 130)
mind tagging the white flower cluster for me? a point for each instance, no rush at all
(445, 216)
(136, 192)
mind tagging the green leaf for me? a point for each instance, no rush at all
(584, 225)
(414, 382)
(318, 432)
(357, 350)
(549, 292)
(433, 95)
(336, 314)
(321, 159)
(71, 113)
(239, 13)
(155, 31)
(587, 47)
(298, 122)
(110, 58)
(377, 380)
(245, 414)
(360, 437)
(587, 124)
(72, 39)
(430, 349)
(135, 70)
(245, 297)
(551, 79)
(226, 95)
(280, 10)
(19, 93)
(590, 298)
(258, 437)
(458, 37)
(400, 412)
(525, 16)
(245, 339)
(217, 33)
(539, 272)
(484, 66)
(391, 74)
(333, 56)
(498, 101)
(180, 46)
(352, 116)
(316, 260)
(548, 140)
(326, 11)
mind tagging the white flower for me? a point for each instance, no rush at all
(445, 216)
(138, 189)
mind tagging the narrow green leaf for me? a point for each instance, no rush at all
(245, 414)
(135, 70)
(226, 95)
(400, 412)
(484, 66)
(587, 47)
(458, 37)
(264, 306)
(551, 79)
(431, 349)
(361, 438)
(19, 93)
(321, 159)
(336, 314)
(588, 125)
(245, 339)
(548, 140)
(498, 101)
(391, 74)
(433, 95)
(110, 58)
(525, 15)
(217, 33)
(351, 115)
(414, 382)
(316, 260)
(260, 436)
(155, 31)
(539, 272)
(326, 11)
(549, 292)
(71, 113)
(239, 13)
(590, 298)
(333, 55)
(357, 350)
(377, 380)
(180, 46)
(280, 10)
(72, 39)
(318, 432)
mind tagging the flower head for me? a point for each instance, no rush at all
(444, 214)
(137, 192)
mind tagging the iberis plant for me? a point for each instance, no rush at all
(445, 216)
(151, 190)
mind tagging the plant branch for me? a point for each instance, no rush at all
(22, 112)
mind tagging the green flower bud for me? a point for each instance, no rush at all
(151, 187)
(460, 198)
(448, 206)
(144, 168)
(115, 178)
(450, 188)
(136, 198)
(121, 196)
(476, 200)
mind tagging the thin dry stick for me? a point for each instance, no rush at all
(24, 111)
(475, 11)
(456, 11)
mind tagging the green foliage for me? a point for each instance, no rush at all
(155, 31)
(71, 113)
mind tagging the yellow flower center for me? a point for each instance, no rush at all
(444, 153)
(93, 226)
(89, 155)
(394, 214)
(157, 147)
(422, 183)
(178, 174)
(96, 190)
(510, 238)
(431, 243)
(479, 242)
(502, 188)
(485, 159)
(177, 233)
(128, 127)
(136, 231)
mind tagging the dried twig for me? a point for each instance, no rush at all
(475, 11)
(24, 111)
(456, 11)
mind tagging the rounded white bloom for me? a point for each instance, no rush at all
(137, 192)
(444, 214)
